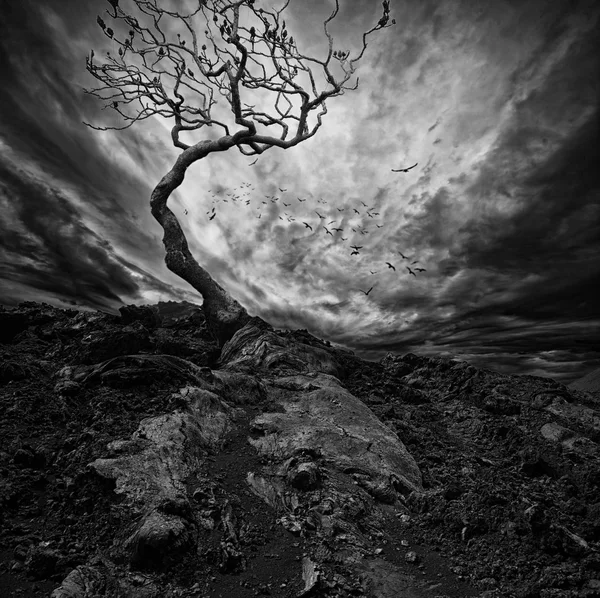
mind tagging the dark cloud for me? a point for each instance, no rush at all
(552, 237)
(53, 250)
(42, 109)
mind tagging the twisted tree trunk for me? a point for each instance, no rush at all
(224, 315)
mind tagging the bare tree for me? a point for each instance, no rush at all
(243, 54)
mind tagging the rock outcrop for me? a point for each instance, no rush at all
(141, 460)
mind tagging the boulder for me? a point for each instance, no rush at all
(258, 347)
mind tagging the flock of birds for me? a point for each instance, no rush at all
(242, 195)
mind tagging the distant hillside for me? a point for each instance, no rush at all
(590, 382)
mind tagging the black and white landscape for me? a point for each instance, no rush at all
(299, 299)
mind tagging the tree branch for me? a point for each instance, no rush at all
(243, 49)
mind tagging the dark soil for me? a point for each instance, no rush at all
(506, 512)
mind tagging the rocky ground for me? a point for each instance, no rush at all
(137, 459)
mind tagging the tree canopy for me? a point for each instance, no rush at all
(230, 49)
(229, 66)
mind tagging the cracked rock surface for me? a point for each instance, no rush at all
(139, 460)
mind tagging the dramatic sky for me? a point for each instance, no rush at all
(496, 102)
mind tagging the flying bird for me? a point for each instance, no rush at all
(356, 247)
(366, 292)
(420, 270)
(319, 215)
(339, 230)
(344, 238)
(253, 163)
(356, 211)
(340, 209)
(390, 266)
(185, 211)
(282, 190)
(327, 231)
(410, 271)
(403, 256)
(330, 222)
(355, 253)
(415, 262)
(307, 225)
(213, 216)
(379, 225)
(364, 204)
(371, 271)
(405, 169)
(301, 200)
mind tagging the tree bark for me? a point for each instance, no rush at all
(224, 315)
